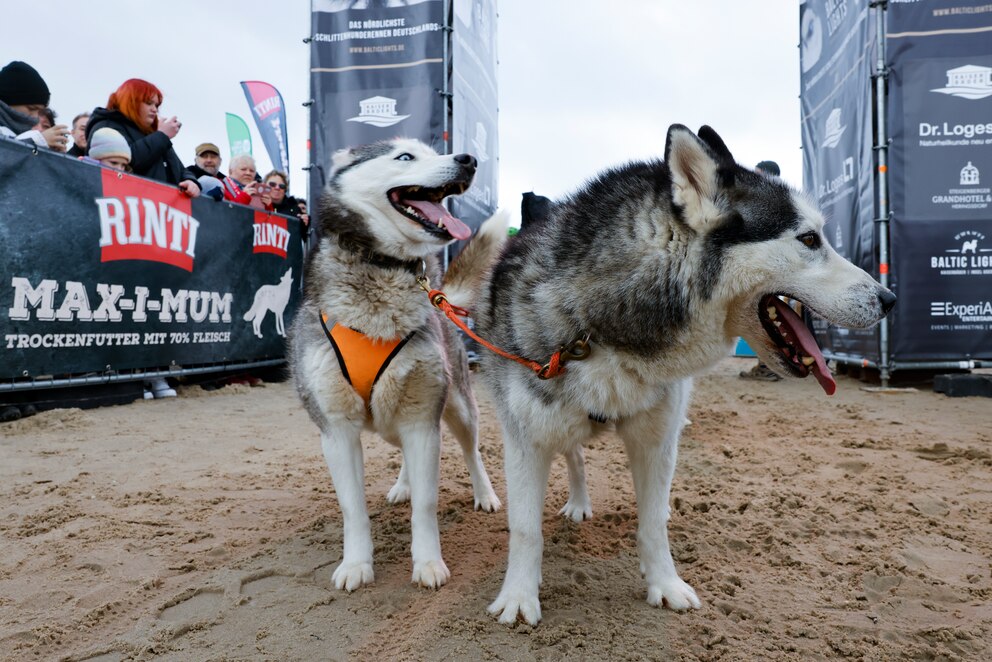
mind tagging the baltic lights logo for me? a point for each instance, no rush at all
(969, 255)
(968, 82)
(143, 220)
(834, 129)
(378, 111)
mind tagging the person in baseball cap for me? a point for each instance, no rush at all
(207, 161)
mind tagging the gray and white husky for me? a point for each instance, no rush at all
(660, 265)
(382, 223)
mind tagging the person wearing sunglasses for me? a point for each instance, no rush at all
(284, 203)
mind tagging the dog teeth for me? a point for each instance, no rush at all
(772, 313)
(776, 323)
(808, 361)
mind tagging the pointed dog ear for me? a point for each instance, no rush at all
(695, 176)
(715, 142)
(342, 158)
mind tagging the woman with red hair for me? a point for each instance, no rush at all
(133, 111)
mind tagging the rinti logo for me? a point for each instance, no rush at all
(266, 107)
(143, 220)
(270, 234)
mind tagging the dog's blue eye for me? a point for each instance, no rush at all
(405, 157)
(810, 240)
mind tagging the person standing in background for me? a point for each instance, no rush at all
(79, 135)
(761, 372)
(132, 110)
(23, 95)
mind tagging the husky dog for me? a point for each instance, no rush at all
(659, 266)
(274, 298)
(382, 223)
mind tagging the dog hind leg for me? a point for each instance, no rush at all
(527, 465)
(462, 416)
(422, 460)
(400, 491)
(579, 506)
(343, 454)
(652, 463)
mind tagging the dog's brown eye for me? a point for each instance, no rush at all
(810, 240)
(405, 157)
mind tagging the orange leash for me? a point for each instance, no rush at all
(555, 367)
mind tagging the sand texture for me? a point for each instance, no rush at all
(205, 527)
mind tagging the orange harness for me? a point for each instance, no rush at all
(362, 359)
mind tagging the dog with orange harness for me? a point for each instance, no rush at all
(369, 352)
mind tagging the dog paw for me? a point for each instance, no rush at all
(398, 493)
(510, 607)
(577, 512)
(430, 574)
(349, 576)
(488, 502)
(674, 593)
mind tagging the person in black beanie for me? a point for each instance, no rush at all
(23, 95)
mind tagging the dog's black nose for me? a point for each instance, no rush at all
(887, 299)
(466, 160)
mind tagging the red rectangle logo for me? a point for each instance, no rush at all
(144, 220)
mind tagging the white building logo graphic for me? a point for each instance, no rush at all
(479, 143)
(968, 82)
(378, 111)
(969, 175)
(834, 129)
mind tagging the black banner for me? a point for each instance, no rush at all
(837, 53)
(940, 94)
(474, 105)
(375, 73)
(104, 271)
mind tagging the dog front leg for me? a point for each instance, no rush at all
(527, 466)
(422, 461)
(652, 463)
(343, 454)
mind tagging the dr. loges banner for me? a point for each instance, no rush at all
(473, 106)
(940, 94)
(103, 271)
(375, 73)
(836, 55)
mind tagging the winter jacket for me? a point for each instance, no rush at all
(152, 155)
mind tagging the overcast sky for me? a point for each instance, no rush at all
(584, 84)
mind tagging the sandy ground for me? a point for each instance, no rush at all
(206, 528)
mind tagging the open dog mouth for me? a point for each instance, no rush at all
(794, 341)
(425, 206)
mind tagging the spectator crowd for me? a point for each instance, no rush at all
(129, 135)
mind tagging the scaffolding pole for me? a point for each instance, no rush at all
(882, 150)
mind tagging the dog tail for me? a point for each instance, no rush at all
(469, 269)
(250, 315)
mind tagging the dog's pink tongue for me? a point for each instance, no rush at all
(443, 217)
(802, 336)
